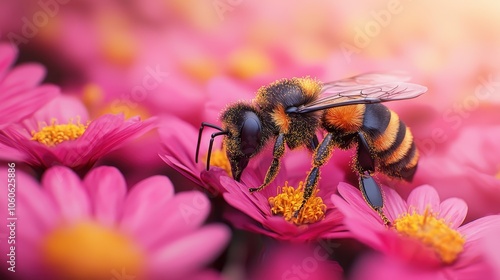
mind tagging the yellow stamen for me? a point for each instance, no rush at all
(497, 175)
(54, 134)
(433, 232)
(91, 251)
(288, 201)
(219, 158)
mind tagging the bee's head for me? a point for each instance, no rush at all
(244, 138)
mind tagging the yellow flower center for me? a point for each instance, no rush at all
(93, 95)
(288, 201)
(433, 232)
(200, 68)
(118, 45)
(128, 108)
(54, 133)
(219, 158)
(247, 63)
(90, 251)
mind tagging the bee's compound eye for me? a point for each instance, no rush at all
(250, 133)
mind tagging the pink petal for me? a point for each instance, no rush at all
(356, 202)
(66, 190)
(32, 206)
(146, 199)
(25, 103)
(185, 213)
(24, 76)
(107, 189)
(8, 55)
(63, 108)
(423, 197)
(190, 252)
(453, 210)
(360, 226)
(394, 205)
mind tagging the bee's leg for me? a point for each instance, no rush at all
(311, 146)
(321, 155)
(369, 188)
(278, 151)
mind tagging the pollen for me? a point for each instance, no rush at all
(88, 250)
(288, 201)
(433, 232)
(219, 158)
(54, 134)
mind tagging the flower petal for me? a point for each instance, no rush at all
(67, 192)
(423, 197)
(146, 199)
(185, 213)
(203, 244)
(453, 210)
(107, 189)
(394, 205)
(356, 202)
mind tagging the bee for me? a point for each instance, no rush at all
(349, 111)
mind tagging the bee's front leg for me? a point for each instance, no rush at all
(321, 155)
(278, 152)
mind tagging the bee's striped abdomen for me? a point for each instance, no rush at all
(391, 142)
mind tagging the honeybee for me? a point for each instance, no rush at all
(291, 111)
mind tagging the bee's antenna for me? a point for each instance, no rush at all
(211, 144)
(203, 124)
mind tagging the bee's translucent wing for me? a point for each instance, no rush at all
(371, 78)
(364, 89)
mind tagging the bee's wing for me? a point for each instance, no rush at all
(363, 89)
(371, 78)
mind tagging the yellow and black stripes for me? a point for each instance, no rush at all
(390, 141)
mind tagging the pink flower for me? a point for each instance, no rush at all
(270, 211)
(178, 151)
(468, 157)
(20, 92)
(425, 233)
(94, 229)
(59, 134)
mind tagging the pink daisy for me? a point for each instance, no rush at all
(94, 229)
(20, 92)
(254, 210)
(469, 159)
(424, 231)
(270, 211)
(60, 134)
